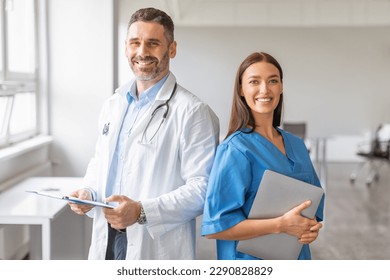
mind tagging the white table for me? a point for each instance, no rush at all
(18, 207)
(319, 159)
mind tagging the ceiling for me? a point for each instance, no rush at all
(272, 12)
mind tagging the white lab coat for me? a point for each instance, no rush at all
(169, 175)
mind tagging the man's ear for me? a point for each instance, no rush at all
(172, 49)
(126, 48)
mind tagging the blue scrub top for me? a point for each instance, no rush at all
(238, 167)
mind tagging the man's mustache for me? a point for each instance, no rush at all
(145, 59)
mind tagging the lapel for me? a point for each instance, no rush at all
(117, 109)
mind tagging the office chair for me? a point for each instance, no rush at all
(316, 146)
(297, 128)
(375, 156)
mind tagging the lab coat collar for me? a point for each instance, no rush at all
(163, 94)
(166, 89)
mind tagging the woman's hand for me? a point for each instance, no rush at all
(310, 235)
(295, 224)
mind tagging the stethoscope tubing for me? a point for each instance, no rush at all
(166, 103)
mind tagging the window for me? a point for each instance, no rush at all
(18, 101)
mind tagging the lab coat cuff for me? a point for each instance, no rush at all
(91, 213)
(154, 225)
(93, 193)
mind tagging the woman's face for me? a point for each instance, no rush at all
(261, 88)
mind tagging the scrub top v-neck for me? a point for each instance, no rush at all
(238, 168)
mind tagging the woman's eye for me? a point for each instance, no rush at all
(253, 82)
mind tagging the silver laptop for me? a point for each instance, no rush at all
(277, 194)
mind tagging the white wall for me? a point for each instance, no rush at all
(336, 78)
(81, 77)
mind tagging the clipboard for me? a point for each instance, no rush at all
(73, 199)
(277, 194)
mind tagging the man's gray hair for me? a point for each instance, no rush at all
(154, 15)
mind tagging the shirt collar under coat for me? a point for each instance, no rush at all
(163, 94)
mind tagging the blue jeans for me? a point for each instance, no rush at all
(116, 245)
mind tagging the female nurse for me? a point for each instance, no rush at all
(253, 144)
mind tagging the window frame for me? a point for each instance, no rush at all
(12, 83)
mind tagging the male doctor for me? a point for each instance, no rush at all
(153, 155)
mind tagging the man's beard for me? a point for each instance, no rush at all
(153, 72)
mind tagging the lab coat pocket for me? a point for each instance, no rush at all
(141, 152)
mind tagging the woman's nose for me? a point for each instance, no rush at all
(263, 88)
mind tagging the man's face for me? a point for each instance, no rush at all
(148, 51)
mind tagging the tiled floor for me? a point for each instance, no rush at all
(357, 219)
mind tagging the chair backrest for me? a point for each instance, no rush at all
(296, 128)
(383, 132)
(381, 143)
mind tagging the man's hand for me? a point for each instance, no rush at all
(81, 209)
(125, 214)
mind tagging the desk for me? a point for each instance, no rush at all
(320, 160)
(17, 207)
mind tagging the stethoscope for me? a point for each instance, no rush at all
(145, 138)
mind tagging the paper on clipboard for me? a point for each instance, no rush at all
(73, 199)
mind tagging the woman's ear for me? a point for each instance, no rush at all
(241, 92)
